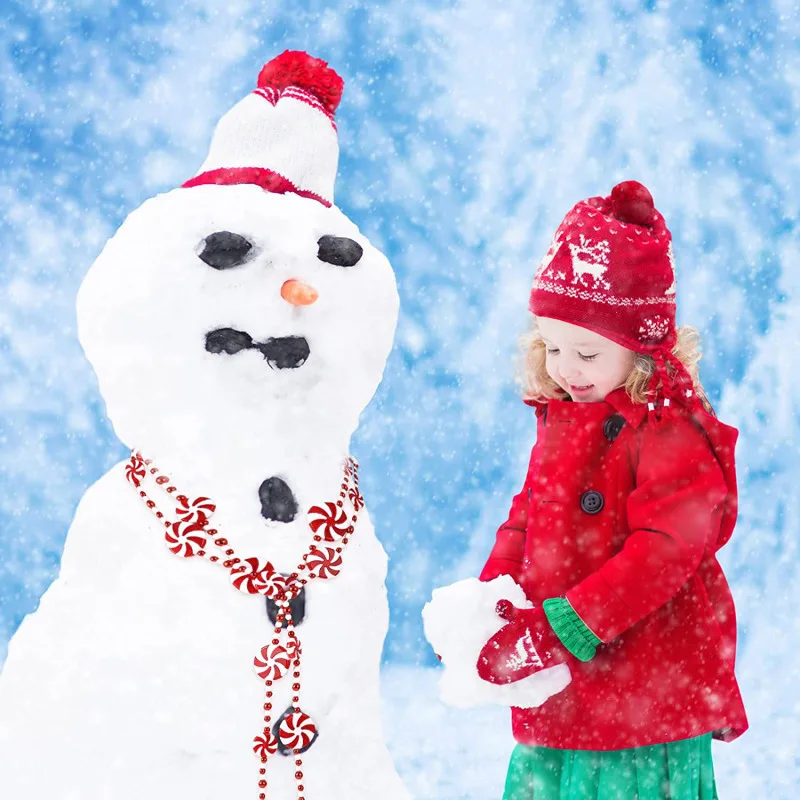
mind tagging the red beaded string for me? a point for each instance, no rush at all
(189, 537)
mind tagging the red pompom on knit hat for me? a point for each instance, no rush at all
(282, 136)
(299, 69)
(610, 269)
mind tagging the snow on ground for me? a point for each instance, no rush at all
(445, 753)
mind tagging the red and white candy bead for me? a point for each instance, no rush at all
(272, 662)
(253, 577)
(265, 745)
(324, 562)
(197, 511)
(185, 540)
(297, 730)
(331, 520)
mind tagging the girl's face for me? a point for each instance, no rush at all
(584, 364)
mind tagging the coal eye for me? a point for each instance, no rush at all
(339, 250)
(223, 250)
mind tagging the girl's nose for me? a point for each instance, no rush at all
(571, 374)
(298, 293)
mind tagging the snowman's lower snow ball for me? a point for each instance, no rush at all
(216, 627)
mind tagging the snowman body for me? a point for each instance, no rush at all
(134, 677)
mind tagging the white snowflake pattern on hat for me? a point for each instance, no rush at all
(653, 329)
(671, 256)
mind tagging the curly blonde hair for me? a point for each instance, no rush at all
(538, 385)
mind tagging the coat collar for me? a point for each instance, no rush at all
(634, 413)
(618, 401)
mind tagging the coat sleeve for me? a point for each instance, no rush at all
(509, 548)
(673, 514)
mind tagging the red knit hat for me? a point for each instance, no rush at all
(282, 136)
(610, 269)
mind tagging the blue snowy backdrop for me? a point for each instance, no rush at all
(466, 132)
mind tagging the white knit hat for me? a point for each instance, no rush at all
(282, 136)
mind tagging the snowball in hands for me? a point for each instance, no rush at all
(459, 620)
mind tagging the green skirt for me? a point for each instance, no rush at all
(675, 771)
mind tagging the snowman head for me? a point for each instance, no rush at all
(244, 304)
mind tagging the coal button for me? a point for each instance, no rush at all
(297, 605)
(277, 500)
(592, 502)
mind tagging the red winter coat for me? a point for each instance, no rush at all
(624, 519)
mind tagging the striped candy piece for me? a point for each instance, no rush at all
(297, 730)
(272, 662)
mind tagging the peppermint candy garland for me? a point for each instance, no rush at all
(272, 662)
(194, 511)
(326, 562)
(297, 731)
(331, 520)
(189, 537)
(253, 577)
(265, 746)
(186, 540)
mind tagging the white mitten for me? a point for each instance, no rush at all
(459, 620)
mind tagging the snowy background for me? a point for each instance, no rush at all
(466, 134)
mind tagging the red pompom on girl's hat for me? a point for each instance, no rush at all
(296, 68)
(631, 202)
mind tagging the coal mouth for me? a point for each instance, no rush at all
(281, 352)
(286, 352)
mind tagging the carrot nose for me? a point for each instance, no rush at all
(298, 293)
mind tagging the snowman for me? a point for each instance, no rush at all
(216, 627)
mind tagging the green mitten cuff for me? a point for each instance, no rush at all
(570, 628)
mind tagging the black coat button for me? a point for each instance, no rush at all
(613, 426)
(592, 502)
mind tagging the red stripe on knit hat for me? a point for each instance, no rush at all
(272, 95)
(268, 180)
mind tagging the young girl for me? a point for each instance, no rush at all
(630, 492)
